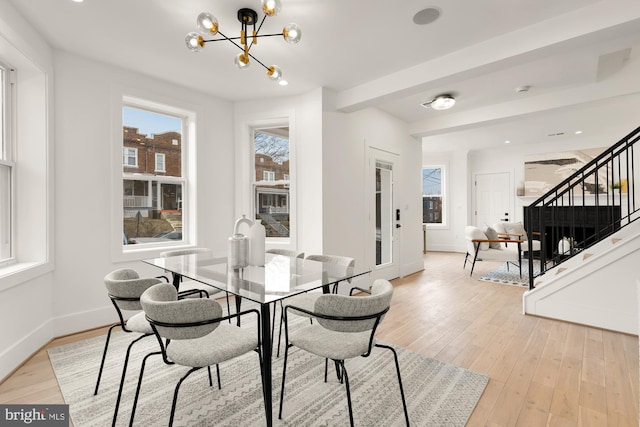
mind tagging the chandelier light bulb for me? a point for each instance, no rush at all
(242, 61)
(194, 41)
(292, 33)
(274, 73)
(207, 23)
(271, 7)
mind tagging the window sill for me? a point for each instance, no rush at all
(20, 272)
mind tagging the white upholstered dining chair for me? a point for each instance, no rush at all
(194, 333)
(307, 300)
(124, 287)
(345, 328)
(192, 284)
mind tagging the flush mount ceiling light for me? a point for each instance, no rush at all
(208, 26)
(440, 102)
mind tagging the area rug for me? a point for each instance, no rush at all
(511, 276)
(437, 394)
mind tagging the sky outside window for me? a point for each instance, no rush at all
(149, 122)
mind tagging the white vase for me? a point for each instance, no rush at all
(565, 245)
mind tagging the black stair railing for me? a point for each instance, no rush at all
(591, 204)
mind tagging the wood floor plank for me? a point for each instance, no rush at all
(543, 372)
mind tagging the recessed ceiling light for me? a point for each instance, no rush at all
(578, 132)
(507, 142)
(426, 16)
(78, 1)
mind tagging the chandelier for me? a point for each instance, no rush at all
(208, 25)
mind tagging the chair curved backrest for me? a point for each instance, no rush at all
(341, 262)
(178, 252)
(373, 307)
(178, 319)
(333, 259)
(125, 287)
(286, 252)
(474, 233)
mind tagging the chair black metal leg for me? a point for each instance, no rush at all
(326, 369)
(210, 379)
(124, 373)
(346, 382)
(175, 394)
(273, 325)
(218, 375)
(474, 263)
(264, 392)
(284, 372)
(135, 399)
(280, 329)
(228, 307)
(395, 358)
(104, 356)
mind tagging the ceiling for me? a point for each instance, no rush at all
(579, 57)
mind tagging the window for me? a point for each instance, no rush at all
(269, 176)
(271, 180)
(433, 195)
(130, 157)
(7, 166)
(152, 205)
(160, 162)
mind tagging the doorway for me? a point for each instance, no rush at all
(493, 198)
(384, 217)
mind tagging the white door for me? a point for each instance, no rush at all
(493, 198)
(384, 227)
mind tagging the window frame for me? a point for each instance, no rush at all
(149, 102)
(443, 196)
(164, 163)
(245, 172)
(8, 214)
(125, 156)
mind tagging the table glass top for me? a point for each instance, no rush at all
(279, 278)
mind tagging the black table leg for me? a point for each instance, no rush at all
(176, 281)
(238, 300)
(266, 360)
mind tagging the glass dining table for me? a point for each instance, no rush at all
(280, 278)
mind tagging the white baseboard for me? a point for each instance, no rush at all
(82, 321)
(15, 355)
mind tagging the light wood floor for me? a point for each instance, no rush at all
(543, 372)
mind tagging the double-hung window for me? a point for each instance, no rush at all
(433, 196)
(7, 166)
(154, 175)
(271, 182)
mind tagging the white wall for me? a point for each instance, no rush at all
(304, 114)
(450, 238)
(463, 166)
(26, 287)
(346, 140)
(330, 156)
(84, 138)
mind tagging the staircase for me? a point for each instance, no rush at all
(590, 278)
